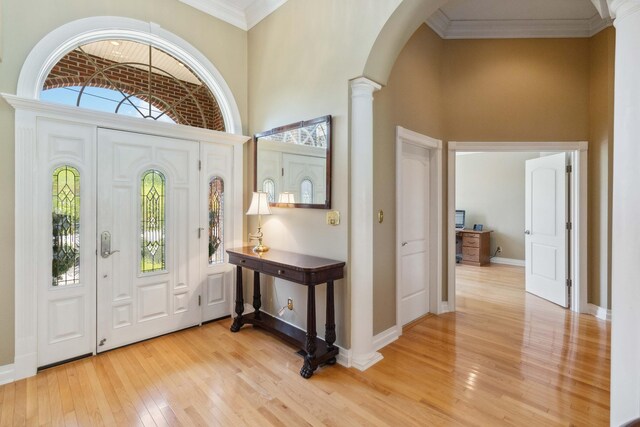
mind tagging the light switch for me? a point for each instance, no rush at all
(333, 217)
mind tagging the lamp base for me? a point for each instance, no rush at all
(260, 248)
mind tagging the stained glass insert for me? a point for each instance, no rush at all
(65, 262)
(306, 191)
(269, 187)
(152, 231)
(216, 220)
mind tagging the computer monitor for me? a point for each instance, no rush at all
(460, 218)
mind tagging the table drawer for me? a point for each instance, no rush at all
(284, 273)
(243, 262)
(472, 241)
(471, 254)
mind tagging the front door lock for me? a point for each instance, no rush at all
(105, 245)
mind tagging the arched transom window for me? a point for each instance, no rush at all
(133, 79)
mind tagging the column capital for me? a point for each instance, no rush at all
(363, 86)
(619, 9)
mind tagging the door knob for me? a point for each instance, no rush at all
(405, 243)
(527, 232)
(105, 245)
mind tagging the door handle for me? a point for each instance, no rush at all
(405, 243)
(105, 245)
(527, 232)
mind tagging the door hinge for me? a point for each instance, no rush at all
(199, 300)
(200, 230)
(569, 169)
(569, 283)
(199, 165)
(569, 225)
(282, 171)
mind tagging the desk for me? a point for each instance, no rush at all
(474, 246)
(305, 270)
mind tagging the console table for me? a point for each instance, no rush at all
(305, 270)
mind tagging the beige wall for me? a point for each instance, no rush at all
(25, 23)
(601, 65)
(494, 90)
(301, 59)
(490, 188)
(412, 99)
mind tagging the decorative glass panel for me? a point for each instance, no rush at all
(216, 220)
(153, 226)
(65, 263)
(306, 191)
(269, 187)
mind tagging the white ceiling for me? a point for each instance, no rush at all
(466, 10)
(458, 19)
(243, 14)
(468, 19)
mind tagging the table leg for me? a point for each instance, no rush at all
(330, 326)
(257, 299)
(310, 364)
(237, 321)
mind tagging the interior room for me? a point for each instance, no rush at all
(243, 212)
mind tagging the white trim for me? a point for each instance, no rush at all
(406, 136)
(361, 220)
(385, 338)
(444, 307)
(6, 374)
(516, 28)
(579, 160)
(63, 39)
(245, 19)
(27, 113)
(344, 357)
(508, 261)
(599, 312)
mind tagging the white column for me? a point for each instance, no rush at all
(361, 223)
(625, 336)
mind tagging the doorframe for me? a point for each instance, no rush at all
(27, 112)
(578, 152)
(434, 146)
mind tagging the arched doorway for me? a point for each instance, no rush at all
(173, 279)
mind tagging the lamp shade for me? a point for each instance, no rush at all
(259, 204)
(287, 198)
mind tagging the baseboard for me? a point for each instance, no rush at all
(344, 357)
(444, 307)
(508, 261)
(599, 312)
(7, 374)
(385, 338)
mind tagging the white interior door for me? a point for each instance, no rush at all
(148, 279)
(217, 222)
(64, 252)
(546, 234)
(414, 233)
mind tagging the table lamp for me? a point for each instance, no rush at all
(287, 199)
(259, 206)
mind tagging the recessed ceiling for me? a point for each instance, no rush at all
(459, 19)
(243, 14)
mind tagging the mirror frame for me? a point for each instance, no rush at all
(292, 126)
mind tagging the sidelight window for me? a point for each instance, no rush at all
(65, 263)
(216, 220)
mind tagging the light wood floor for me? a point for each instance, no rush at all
(505, 357)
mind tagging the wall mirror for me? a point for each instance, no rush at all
(293, 164)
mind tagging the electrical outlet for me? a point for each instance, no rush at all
(499, 249)
(290, 303)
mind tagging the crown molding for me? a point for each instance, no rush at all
(244, 19)
(516, 29)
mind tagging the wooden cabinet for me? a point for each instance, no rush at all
(475, 247)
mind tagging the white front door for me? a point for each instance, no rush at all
(546, 233)
(217, 221)
(64, 251)
(414, 245)
(148, 281)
